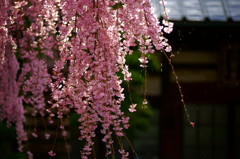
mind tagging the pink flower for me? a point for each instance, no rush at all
(143, 59)
(30, 155)
(51, 153)
(64, 133)
(168, 49)
(168, 29)
(47, 136)
(145, 102)
(34, 135)
(192, 124)
(132, 108)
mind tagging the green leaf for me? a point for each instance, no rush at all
(117, 6)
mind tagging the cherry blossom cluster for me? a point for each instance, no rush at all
(4, 7)
(11, 108)
(88, 41)
(35, 42)
(27, 37)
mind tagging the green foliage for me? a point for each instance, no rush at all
(8, 143)
(139, 120)
(74, 119)
(27, 22)
(117, 6)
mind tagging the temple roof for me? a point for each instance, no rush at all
(200, 10)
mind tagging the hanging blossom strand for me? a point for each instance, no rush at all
(92, 87)
(11, 108)
(34, 78)
(4, 8)
(168, 27)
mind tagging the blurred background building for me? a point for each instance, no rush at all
(206, 42)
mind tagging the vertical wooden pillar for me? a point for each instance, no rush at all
(171, 138)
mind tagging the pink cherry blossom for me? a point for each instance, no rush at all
(30, 155)
(132, 108)
(47, 136)
(51, 153)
